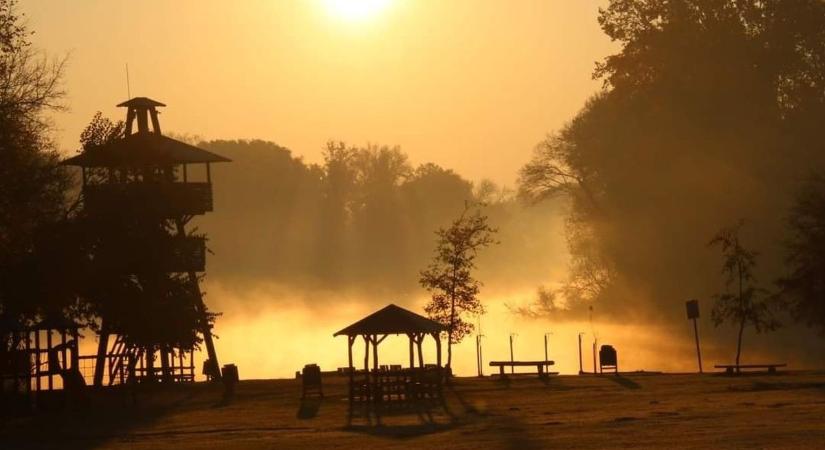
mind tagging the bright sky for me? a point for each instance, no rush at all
(472, 85)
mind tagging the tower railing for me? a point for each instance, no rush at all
(170, 199)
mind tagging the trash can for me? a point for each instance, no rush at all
(608, 359)
(230, 373)
(230, 377)
(311, 380)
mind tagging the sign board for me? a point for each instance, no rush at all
(692, 309)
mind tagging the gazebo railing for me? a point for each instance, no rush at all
(400, 385)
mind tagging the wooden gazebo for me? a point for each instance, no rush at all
(387, 383)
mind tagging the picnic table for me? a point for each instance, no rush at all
(397, 385)
(730, 368)
(540, 366)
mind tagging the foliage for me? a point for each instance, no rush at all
(712, 104)
(748, 303)
(803, 286)
(362, 218)
(449, 278)
(32, 185)
(100, 130)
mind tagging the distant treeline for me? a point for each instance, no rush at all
(364, 218)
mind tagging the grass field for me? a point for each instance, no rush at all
(786, 410)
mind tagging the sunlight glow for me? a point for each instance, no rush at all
(355, 10)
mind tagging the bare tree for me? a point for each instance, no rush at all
(449, 277)
(747, 303)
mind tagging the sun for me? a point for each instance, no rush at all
(355, 10)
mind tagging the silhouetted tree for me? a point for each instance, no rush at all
(449, 277)
(361, 220)
(747, 303)
(33, 186)
(712, 104)
(804, 284)
(101, 130)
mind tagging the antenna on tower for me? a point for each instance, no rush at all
(128, 88)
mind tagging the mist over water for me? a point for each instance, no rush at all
(290, 267)
(268, 341)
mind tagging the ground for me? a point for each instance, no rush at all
(608, 411)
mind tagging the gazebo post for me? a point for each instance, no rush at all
(420, 353)
(375, 352)
(366, 354)
(437, 348)
(350, 341)
(412, 351)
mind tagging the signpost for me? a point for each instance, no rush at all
(546, 357)
(692, 307)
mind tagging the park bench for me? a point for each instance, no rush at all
(539, 365)
(731, 368)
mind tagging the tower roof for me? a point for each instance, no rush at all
(140, 102)
(143, 150)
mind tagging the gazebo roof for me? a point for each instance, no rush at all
(392, 319)
(143, 150)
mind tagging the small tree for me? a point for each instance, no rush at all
(748, 303)
(449, 277)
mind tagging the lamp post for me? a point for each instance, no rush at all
(512, 368)
(595, 339)
(581, 368)
(546, 339)
(479, 360)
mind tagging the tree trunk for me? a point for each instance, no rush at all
(742, 318)
(452, 323)
(739, 343)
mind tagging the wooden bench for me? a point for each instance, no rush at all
(730, 368)
(539, 365)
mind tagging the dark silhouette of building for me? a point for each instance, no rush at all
(143, 184)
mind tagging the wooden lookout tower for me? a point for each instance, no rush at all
(140, 191)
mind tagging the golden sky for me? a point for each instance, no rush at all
(472, 85)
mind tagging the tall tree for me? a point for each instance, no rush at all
(804, 285)
(449, 278)
(708, 103)
(747, 304)
(33, 187)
